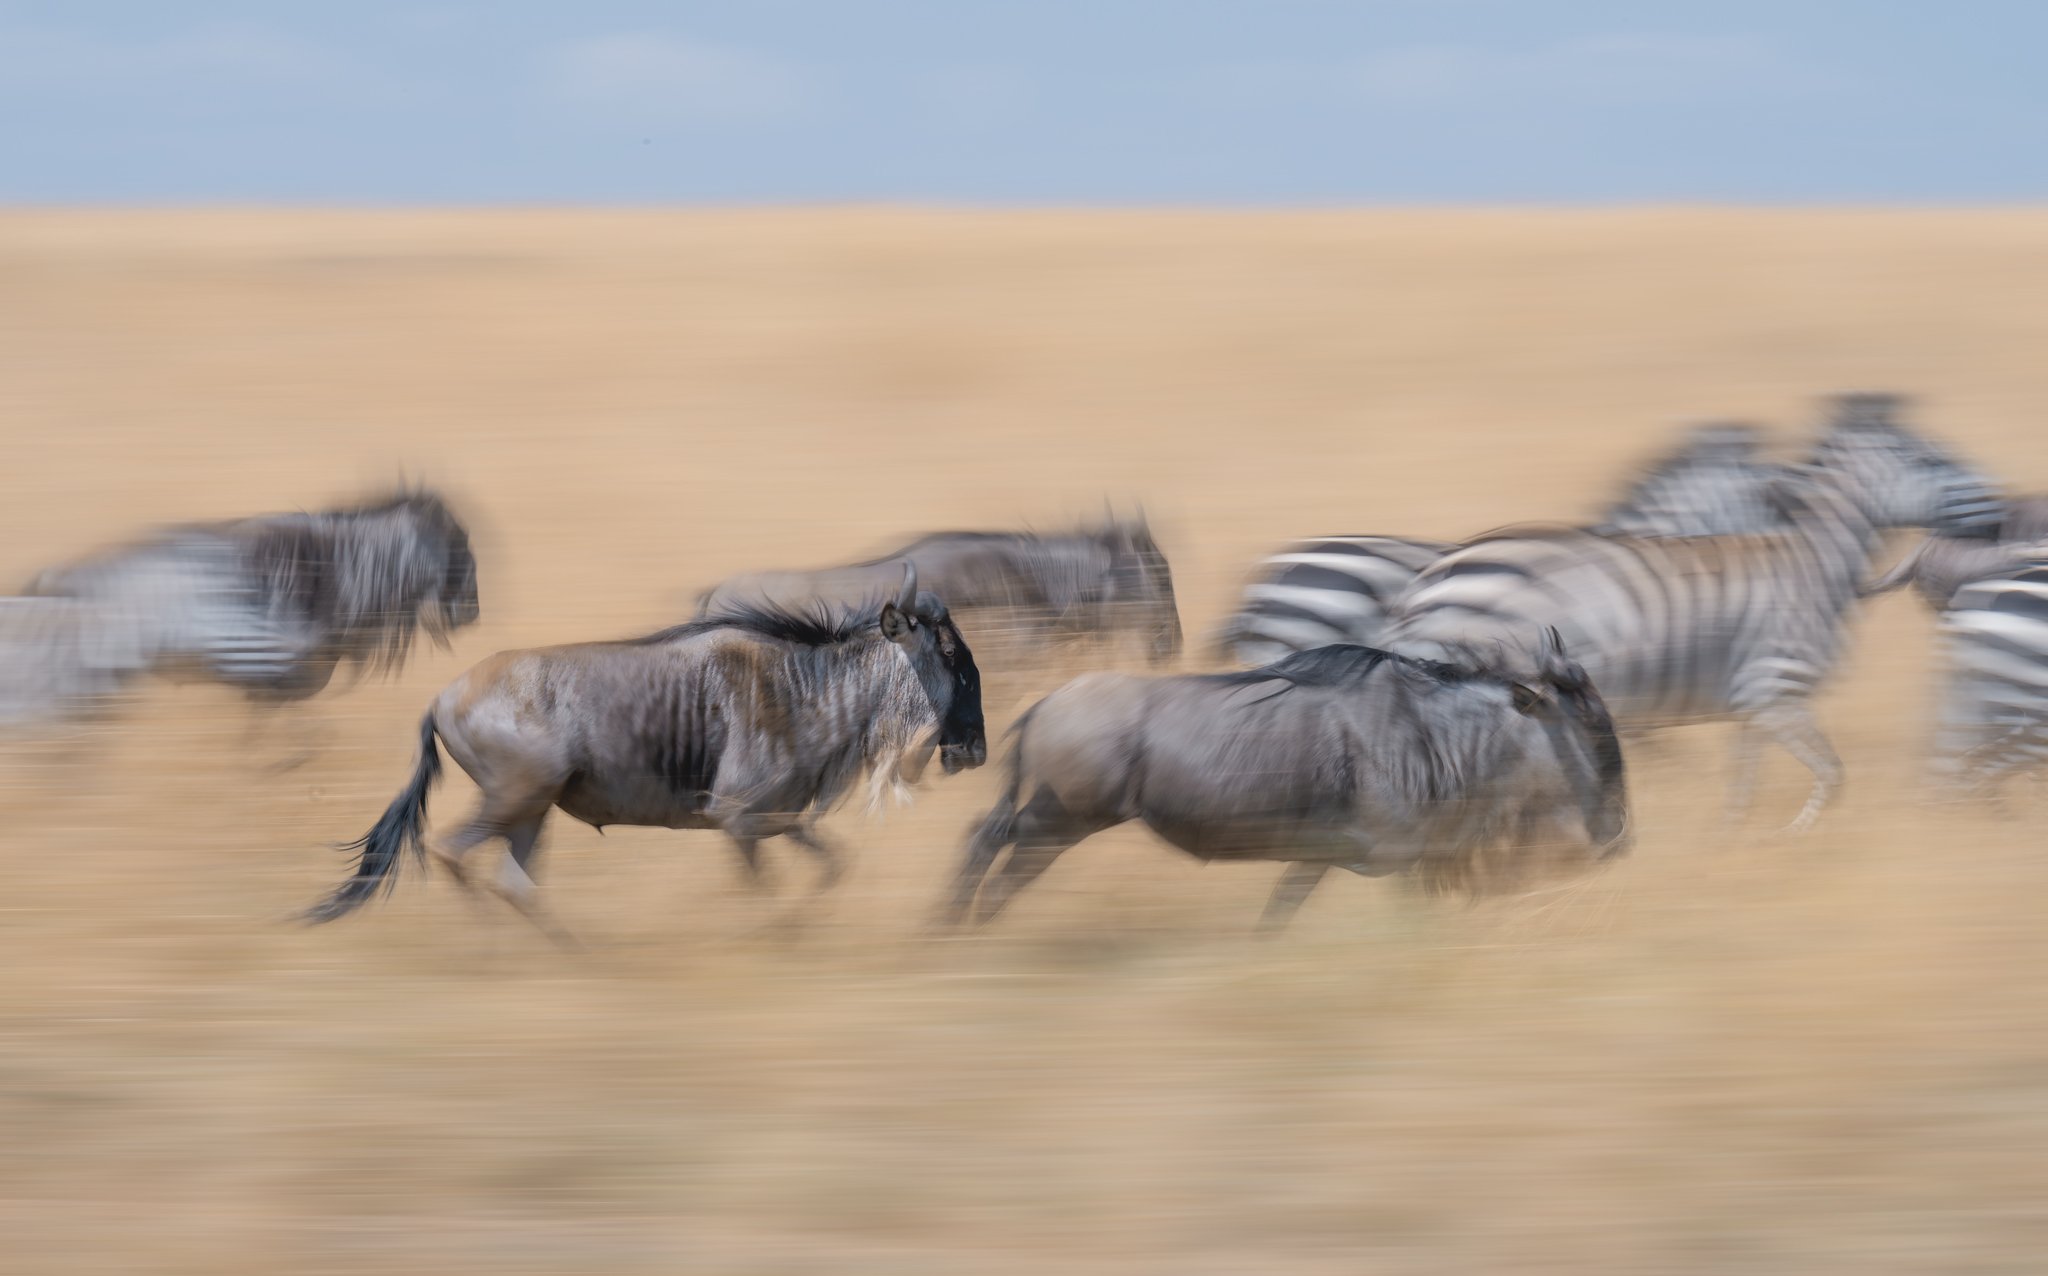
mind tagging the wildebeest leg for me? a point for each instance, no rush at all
(749, 849)
(496, 817)
(1299, 878)
(995, 832)
(307, 733)
(515, 879)
(1044, 830)
(830, 866)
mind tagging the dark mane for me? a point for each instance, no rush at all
(819, 625)
(1024, 538)
(368, 574)
(1343, 665)
(984, 538)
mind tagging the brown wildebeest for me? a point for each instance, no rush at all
(753, 722)
(1341, 757)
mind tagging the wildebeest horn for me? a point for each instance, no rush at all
(908, 602)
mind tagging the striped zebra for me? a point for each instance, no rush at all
(1992, 715)
(271, 606)
(1337, 589)
(1693, 629)
(1712, 484)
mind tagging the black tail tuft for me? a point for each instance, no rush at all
(402, 826)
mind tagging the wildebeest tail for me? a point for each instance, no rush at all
(402, 826)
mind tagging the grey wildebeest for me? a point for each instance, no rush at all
(1339, 757)
(753, 722)
(271, 605)
(1945, 561)
(1099, 581)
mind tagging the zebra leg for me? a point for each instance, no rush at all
(1791, 724)
(1965, 731)
(1299, 878)
(1749, 752)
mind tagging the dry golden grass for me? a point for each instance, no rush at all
(1724, 1054)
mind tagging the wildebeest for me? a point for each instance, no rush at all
(272, 605)
(1945, 561)
(61, 660)
(1098, 581)
(1342, 756)
(754, 722)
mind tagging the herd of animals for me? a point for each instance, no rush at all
(1393, 704)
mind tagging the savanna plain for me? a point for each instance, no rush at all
(1731, 1051)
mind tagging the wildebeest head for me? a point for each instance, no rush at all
(454, 601)
(1904, 479)
(1564, 701)
(1140, 585)
(945, 668)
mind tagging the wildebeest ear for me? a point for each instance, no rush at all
(1527, 699)
(897, 624)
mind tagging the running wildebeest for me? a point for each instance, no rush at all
(1948, 559)
(753, 722)
(1100, 581)
(270, 605)
(1338, 757)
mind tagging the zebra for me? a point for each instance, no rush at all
(270, 605)
(1712, 484)
(1337, 589)
(1692, 629)
(1322, 593)
(1992, 715)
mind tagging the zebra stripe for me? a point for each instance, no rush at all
(1323, 592)
(1992, 711)
(1677, 630)
(1339, 589)
(1712, 484)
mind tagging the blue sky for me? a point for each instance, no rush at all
(1037, 101)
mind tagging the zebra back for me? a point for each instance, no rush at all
(1713, 483)
(1339, 589)
(1671, 629)
(1319, 593)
